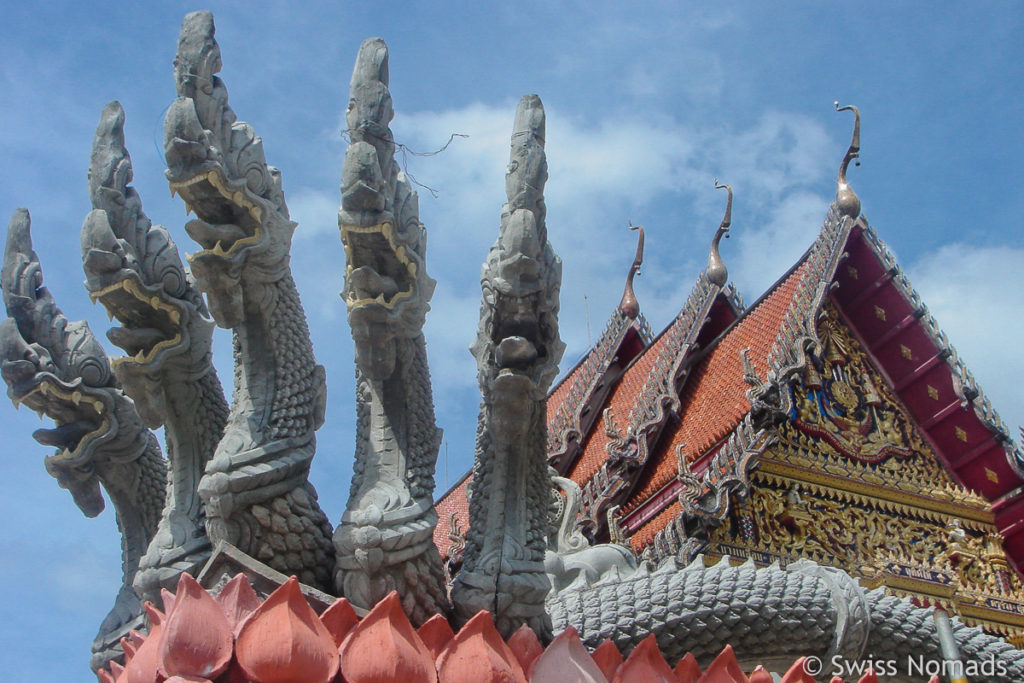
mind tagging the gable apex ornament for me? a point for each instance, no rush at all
(716, 271)
(847, 200)
(629, 305)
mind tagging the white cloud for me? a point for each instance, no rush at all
(766, 252)
(601, 174)
(315, 211)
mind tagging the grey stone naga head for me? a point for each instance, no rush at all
(216, 163)
(518, 339)
(132, 267)
(58, 369)
(387, 289)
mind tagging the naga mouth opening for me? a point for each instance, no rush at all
(518, 335)
(78, 417)
(229, 219)
(150, 323)
(379, 270)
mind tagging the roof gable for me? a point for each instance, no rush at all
(850, 267)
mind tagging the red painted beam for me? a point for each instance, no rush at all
(870, 290)
(1013, 529)
(895, 330)
(941, 415)
(1010, 505)
(651, 507)
(915, 374)
(973, 454)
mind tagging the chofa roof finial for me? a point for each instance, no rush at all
(716, 271)
(846, 199)
(629, 305)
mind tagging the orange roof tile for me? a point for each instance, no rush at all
(714, 397)
(644, 536)
(621, 402)
(455, 501)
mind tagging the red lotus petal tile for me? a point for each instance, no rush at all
(645, 663)
(934, 679)
(565, 660)
(144, 666)
(129, 649)
(797, 673)
(116, 669)
(869, 677)
(167, 598)
(526, 647)
(104, 676)
(197, 640)
(759, 675)
(339, 619)
(477, 653)
(725, 669)
(284, 641)
(235, 674)
(836, 679)
(384, 647)
(435, 633)
(188, 679)
(138, 637)
(609, 659)
(238, 600)
(687, 670)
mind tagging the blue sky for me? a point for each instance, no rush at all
(646, 105)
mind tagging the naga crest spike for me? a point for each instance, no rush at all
(846, 199)
(629, 305)
(716, 271)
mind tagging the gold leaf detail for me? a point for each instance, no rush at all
(933, 392)
(991, 476)
(880, 313)
(961, 434)
(906, 352)
(852, 272)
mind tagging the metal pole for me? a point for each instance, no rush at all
(947, 643)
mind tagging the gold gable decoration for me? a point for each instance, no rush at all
(848, 405)
(852, 483)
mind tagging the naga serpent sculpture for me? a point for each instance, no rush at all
(256, 489)
(59, 369)
(385, 539)
(132, 267)
(517, 350)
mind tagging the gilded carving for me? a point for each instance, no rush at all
(848, 406)
(852, 483)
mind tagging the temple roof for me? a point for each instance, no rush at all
(850, 266)
(713, 402)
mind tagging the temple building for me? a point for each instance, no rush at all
(831, 420)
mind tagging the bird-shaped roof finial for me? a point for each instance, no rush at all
(716, 271)
(629, 305)
(846, 199)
